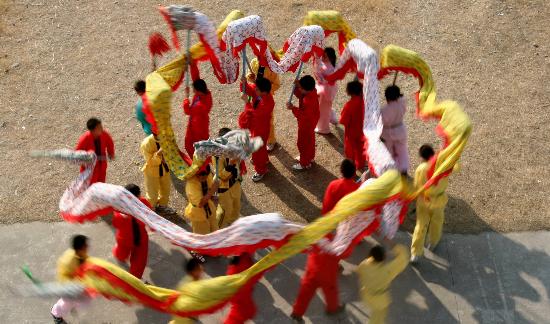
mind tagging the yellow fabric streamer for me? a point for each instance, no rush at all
(172, 71)
(159, 95)
(454, 125)
(214, 291)
(167, 76)
(207, 294)
(330, 20)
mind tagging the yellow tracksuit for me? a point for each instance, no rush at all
(156, 174)
(229, 193)
(375, 279)
(177, 319)
(203, 220)
(275, 85)
(430, 207)
(67, 264)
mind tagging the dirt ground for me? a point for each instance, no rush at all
(64, 61)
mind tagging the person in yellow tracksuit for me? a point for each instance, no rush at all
(229, 190)
(375, 277)
(67, 265)
(430, 207)
(194, 271)
(200, 209)
(265, 72)
(156, 175)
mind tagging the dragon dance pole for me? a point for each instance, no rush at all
(188, 58)
(243, 74)
(295, 79)
(395, 77)
(248, 64)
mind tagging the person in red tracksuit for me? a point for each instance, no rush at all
(339, 188)
(242, 304)
(198, 110)
(307, 114)
(97, 140)
(256, 117)
(321, 272)
(352, 119)
(131, 237)
(322, 269)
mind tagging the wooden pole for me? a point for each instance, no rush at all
(188, 59)
(295, 79)
(248, 64)
(395, 77)
(243, 74)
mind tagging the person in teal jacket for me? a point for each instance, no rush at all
(139, 86)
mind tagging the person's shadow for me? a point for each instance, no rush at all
(179, 185)
(314, 180)
(166, 271)
(336, 139)
(285, 279)
(289, 194)
(459, 218)
(488, 271)
(503, 265)
(247, 208)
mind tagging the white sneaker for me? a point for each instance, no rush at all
(299, 167)
(431, 247)
(414, 259)
(271, 147)
(321, 133)
(257, 177)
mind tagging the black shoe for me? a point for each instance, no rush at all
(296, 318)
(339, 310)
(58, 320)
(198, 256)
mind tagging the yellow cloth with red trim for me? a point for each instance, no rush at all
(209, 295)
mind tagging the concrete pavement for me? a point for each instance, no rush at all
(486, 278)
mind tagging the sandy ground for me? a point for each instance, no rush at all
(64, 61)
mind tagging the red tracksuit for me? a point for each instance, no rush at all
(336, 190)
(131, 241)
(103, 147)
(307, 114)
(354, 138)
(199, 121)
(321, 272)
(322, 269)
(243, 307)
(256, 117)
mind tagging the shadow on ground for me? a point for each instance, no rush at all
(314, 180)
(336, 139)
(469, 277)
(288, 193)
(489, 272)
(459, 218)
